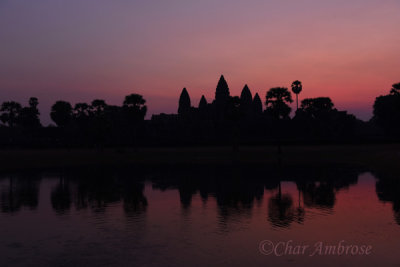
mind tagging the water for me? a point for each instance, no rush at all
(191, 217)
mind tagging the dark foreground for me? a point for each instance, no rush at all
(374, 157)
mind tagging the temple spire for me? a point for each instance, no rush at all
(222, 90)
(184, 103)
(257, 104)
(203, 102)
(245, 97)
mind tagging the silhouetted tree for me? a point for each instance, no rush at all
(296, 89)
(134, 110)
(317, 117)
(101, 123)
(29, 116)
(81, 115)
(81, 112)
(61, 113)
(98, 107)
(395, 89)
(387, 110)
(277, 100)
(97, 123)
(33, 102)
(10, 112)
(184, 103)
(134, 106)
(317, 107)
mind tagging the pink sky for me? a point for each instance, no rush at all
(81, 50)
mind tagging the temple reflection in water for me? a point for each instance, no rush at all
(235, 191)
(217, 214)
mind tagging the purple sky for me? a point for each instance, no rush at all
(82, 50)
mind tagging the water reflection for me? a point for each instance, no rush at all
(181, 214)
(388, 190)
(235, 191)
(96, 190)
(19, 191)
(61, 196)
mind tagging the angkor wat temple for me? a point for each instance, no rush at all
(218, 120)
(226, 120)
(230, 119)
(223, 107)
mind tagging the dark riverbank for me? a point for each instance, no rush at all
(374, 157)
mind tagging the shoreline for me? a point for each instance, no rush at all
(383, 157)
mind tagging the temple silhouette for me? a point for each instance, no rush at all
(242, 119)
(225, 120)
(221, 108)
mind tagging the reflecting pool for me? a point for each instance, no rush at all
(255, 216)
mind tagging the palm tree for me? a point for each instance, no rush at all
(296, 89)
(61, 113)
(277, 100)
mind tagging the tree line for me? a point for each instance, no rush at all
(225, 120)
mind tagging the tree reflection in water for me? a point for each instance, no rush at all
(235, 190)
(19, 191)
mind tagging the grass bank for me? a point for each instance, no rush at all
(375, 157)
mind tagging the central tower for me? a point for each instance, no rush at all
(222, 91)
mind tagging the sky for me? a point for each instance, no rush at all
(80, 50)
